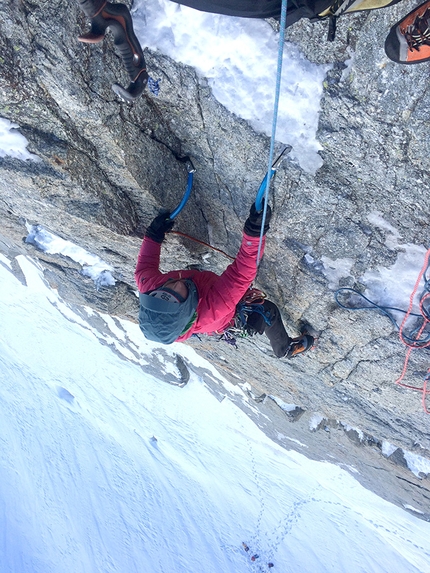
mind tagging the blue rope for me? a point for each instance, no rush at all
(383, 310)
(275, 118)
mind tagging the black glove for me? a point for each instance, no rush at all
(253, 223)
(161, 225)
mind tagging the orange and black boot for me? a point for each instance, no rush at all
(409, 40)
(117, 17)
(272, 326)
(300, 345)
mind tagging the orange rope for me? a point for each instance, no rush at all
(202, 243)
(416, 343)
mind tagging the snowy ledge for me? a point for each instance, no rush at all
(92, 266)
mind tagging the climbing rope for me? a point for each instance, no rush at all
(420, 341)
(373, 306)
(202, 243)
(418, 338)
(274, 120)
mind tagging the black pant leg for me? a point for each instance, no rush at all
(276, 333)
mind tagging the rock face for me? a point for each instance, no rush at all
(107, 168)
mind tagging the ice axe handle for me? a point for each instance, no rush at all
(262, 188)
(261, 191)
(191, 170)
(117, 17)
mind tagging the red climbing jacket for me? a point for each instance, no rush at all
(218, 294)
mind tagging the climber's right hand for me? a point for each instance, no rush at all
(254, 221)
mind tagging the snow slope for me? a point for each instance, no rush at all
(104, 468)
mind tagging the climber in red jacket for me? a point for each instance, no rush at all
(178, 304)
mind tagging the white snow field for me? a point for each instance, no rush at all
(104, 468)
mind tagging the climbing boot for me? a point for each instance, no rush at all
(409, 40)
(275, 331)
(272, 326)
(117, 17)
(299, 345)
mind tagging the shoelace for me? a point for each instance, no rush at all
(418, 33)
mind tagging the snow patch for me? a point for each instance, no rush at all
(351, 428)
(352, 469)
(388, 449)
(393, 235)
(238, 56)
(315, 421)
(283, 405)
(417, 464)
(92, 266)
(336, 269)
(13, 143)
(5, 261)
(392, 286)
(348, 63)
(412, 508)
(164, 477)
(295, 441)
(114, 327)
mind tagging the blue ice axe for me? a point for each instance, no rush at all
(262, 189)
(191, 170)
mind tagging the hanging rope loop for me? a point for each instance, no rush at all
(422, 337)
(418, 337)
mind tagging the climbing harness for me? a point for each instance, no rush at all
(418, 337)
(274, 120)
(191, 170)
(251, 302)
